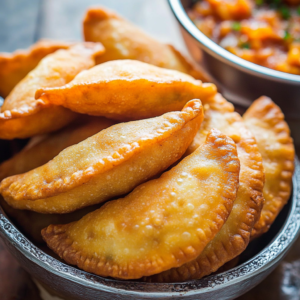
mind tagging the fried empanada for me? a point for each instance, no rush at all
(123, 40)
(45, 148)
(39, 151)
(31, 223)
(15, 66)
(265, 119)
(127, 90)
(219, 105)
(21, 116)
(108, 164)
(162, 224)
(234, 236)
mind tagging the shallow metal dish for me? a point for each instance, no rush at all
(260, 258)
(240, 81)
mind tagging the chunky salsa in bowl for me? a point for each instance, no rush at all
(265, 32)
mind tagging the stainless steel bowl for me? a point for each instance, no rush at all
(240, 81)
(260, 258)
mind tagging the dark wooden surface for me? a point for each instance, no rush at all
(22, 23)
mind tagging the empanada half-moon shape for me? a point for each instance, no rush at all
(234, 236)
(39, 151)
(42, 149)
(127, 90)
(21, 116)
(266, 121)
(15, 66)
(123, 40)
(162, 224)
(108, 164)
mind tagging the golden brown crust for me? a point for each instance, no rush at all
(41, 122)
(31, 223)
(265, 119)
(54, 70)
(127, 90)
(48, 147)
(109, 164)
(214, 103)
(234, 236)
(123, 40)
(162, 223)
(15, 66)
(219, 103)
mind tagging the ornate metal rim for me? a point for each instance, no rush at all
(262, 261)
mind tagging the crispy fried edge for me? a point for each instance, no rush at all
(57, 238)
(9, 62)
(39, 104)
(40, 143)
(216, 102)
(217, 253)
(55, 95)
(13, 128)
(267, 111)
(10, 186)
(97, 14)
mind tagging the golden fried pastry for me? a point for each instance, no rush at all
(31, 223)
(162, 224)
(21, 116)
(215, 110)
(234, 236)
(123, 40)
(265, 119)
(108, 164)
(38, 152)
(15, 66)
(45, 148)
(127, 90)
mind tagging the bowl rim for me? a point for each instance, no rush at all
(225, 56)
(264, 260)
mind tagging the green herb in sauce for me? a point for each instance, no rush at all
(285, 12)
(245, 46)
(236, 26)
(287, 35)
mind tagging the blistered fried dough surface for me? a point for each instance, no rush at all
(110, 163)
(234, 236)
(213, 118)
(31, 223)
(162, 224)
(21, 115)
(43, 151)
(127, 90)
(266, 121)
(15, 66)
(123, 40)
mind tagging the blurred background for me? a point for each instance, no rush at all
(24, 22)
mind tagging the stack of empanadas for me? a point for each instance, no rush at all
(124, 119)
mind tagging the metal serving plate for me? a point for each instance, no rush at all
(72, 283)
(240, 81)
